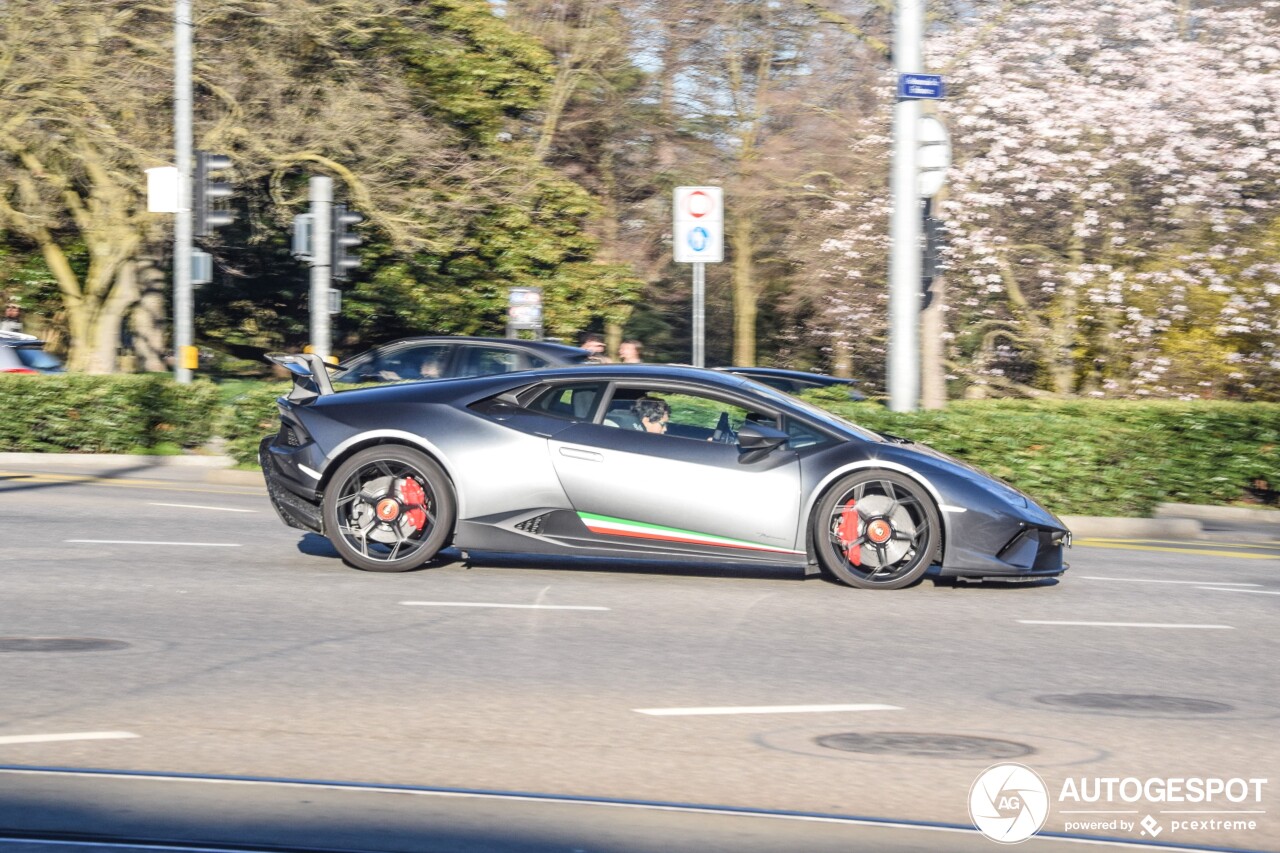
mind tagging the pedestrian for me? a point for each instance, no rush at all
(12, 321)
(594, 344)
(630, 352)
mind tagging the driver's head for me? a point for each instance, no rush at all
(652, 413)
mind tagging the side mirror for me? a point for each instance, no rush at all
(759, 439)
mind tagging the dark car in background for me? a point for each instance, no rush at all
(20, 353)
(451, 356)
(795, 381)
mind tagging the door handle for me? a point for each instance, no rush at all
(578, 453)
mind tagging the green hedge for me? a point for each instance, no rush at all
(1085, 457)
(105, 414)
(1098, 457)
(249, 416)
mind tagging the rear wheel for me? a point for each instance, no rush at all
(876, 530)
(388, 509)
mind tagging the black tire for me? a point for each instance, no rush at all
(876, 530)
(389, 509)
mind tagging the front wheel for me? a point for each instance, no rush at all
(388, 509)
(876, 530)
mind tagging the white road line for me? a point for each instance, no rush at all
(1125, 624)
(1254, 591)
(761, 709)
(503, 606)
(10, 739)
(198, 506)
(145, 542)
(1151, 580)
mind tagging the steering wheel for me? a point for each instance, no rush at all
(724, 433)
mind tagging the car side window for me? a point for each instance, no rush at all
(575, 402)
(681, 415)
(424, 362)
(800, 435)
(484, 361)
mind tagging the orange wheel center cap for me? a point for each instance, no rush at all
(879, 531)
(388, 509)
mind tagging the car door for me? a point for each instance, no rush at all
(681, 491)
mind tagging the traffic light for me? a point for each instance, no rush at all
(205, 194)
(345, 240)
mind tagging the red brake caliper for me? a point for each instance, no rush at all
(415, 502)
(847, 533)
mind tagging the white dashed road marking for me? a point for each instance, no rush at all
(144, 542)
(761, 709)
(11, 739)
(198, 506)
(1125, 624)
(1152, 580)
(503, 606)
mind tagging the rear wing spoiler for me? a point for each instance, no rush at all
(310, 374)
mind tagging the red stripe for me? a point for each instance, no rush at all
(680, 539)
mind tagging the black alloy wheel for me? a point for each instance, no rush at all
(876, 530)
(389, 509)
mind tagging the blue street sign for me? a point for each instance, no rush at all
(699, 239)
(921, 86)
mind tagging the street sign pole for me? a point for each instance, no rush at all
(184, 360)
(904, 227)
(699, 315)
(697, 238)
(321, 189)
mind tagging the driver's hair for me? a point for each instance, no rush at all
(651, 408)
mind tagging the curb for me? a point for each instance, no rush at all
(1102, 527)
(1200, 512)
(115, 459)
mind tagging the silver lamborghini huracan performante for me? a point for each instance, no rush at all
(636, 461)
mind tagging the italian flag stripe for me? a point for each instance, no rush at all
(641, 530)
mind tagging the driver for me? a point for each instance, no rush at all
(652, 413)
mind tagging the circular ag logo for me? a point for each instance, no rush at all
(1009, 803)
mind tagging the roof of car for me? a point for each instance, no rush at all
(788, 374)
(537, 346)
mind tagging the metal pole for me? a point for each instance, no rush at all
(183, 334)
(904, 269)
(321, 262)
(699, 314)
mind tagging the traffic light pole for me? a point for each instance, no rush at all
(321, 263)
(904, 227)
(183, 332)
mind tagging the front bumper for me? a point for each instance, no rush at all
(1032, 551)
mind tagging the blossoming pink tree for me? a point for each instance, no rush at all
(1113, 212)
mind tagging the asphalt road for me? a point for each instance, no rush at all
(179, 628)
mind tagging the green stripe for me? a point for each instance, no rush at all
(676, 530)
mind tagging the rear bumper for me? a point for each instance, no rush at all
(295, 503)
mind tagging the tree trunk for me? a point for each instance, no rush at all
(149, 317)
(841, 358)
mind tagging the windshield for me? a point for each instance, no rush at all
(817, 414)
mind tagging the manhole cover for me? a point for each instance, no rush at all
(924, 745)
(60, 644)
(1135, 702)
